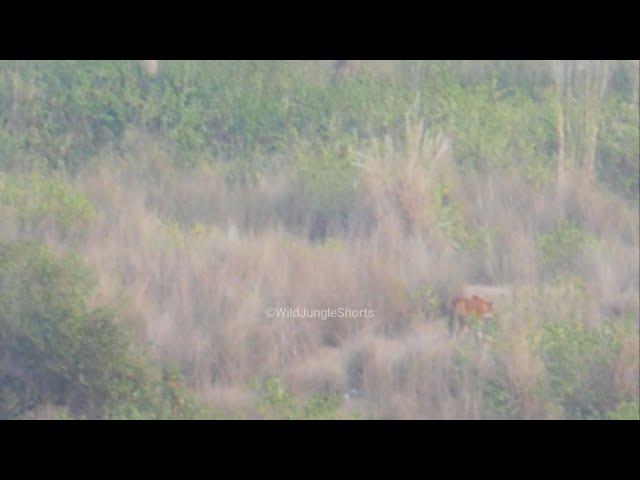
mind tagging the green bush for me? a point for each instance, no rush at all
(619, 146)
(493, 124)
(578, 362)
(62, 113)
(66, 111)
(626, 411)
(450, 220)
(576, 379)
(38, 200)
(59, 351)
(276, 402)
(562, 246)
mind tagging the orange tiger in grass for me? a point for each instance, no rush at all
(462, 309)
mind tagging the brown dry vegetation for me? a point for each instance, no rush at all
(197, 291)
(192, 261)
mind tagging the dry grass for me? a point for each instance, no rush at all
(193, 263)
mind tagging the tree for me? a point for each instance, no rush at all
(580, 89)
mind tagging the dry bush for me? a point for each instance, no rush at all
(399, 179)
(323, 372)
(198, 288)
(232, 402)
(193, 262)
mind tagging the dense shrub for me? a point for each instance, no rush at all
(619, 146)
(562, 247)
(56, 350)
(61, 113)
(579, 362)
(39, 202)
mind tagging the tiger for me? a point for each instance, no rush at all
(462, 309)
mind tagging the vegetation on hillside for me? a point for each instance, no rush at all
(147, 221)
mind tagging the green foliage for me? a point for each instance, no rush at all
(449, 215)
(578, 362)
(276, 402)
(562, 246)
(58, 351)
(451, 221)
(619, 146)
(498, 402)
(493, 124)
(427, 303)
(327, 182)
(626, 411)
(319, 407)
(64, 112)
(576, 378)
(38, 200)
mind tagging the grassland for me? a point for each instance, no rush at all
(146, 222)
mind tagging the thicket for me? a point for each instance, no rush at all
(59, 352)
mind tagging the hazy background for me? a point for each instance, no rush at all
(147, 221)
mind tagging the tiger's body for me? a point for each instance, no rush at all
(464, 309)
